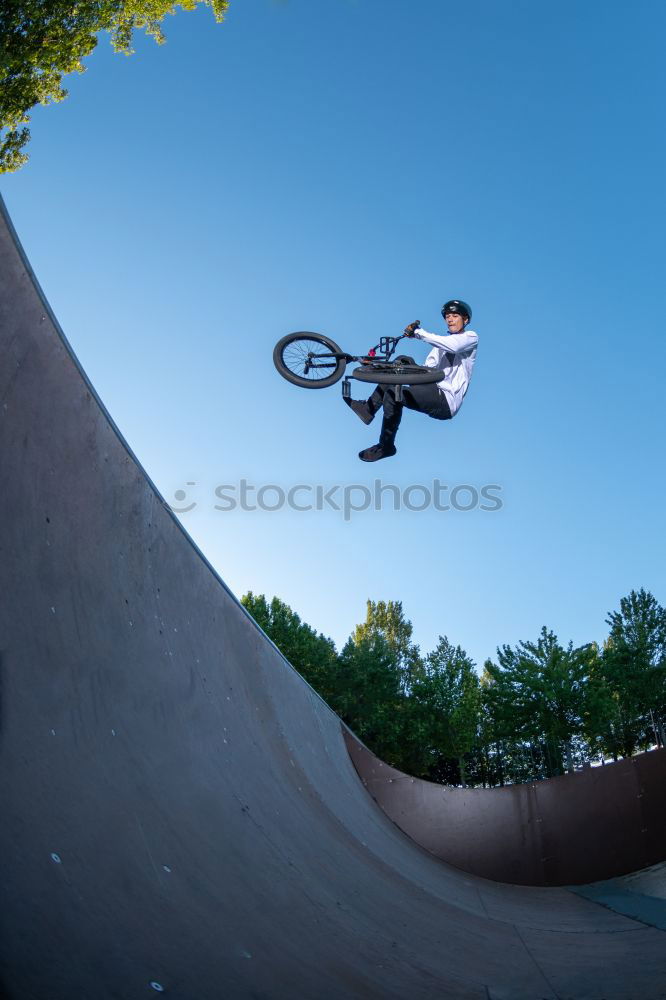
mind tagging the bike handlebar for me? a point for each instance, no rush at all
(386, 346)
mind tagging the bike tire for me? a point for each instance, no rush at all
(406, 375)
(301, 339)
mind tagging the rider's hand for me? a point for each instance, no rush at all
(411, 329)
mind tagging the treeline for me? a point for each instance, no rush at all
(538, 710)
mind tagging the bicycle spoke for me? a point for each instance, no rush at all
(305, 359)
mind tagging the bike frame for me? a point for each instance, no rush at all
(386, 348)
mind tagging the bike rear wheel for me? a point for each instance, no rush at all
(397, 375)
(309, 360)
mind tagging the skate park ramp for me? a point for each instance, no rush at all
(180, 814)
(595, 824)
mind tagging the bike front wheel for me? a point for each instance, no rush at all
(309, 360)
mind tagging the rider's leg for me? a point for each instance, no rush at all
(360, 408)
(384, 395)
(376, 401)
(422, 398)
(366, 409)
(427, 399)
(392, 416)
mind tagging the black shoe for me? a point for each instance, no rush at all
(361, 409)
(376, 452)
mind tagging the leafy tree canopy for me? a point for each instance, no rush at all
(539, 709)
(311, 653)
(634, 671)
(43, 40)
(387, 619)
(368, 696)
(536, 693)
(449, 701)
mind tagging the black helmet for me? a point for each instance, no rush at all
(457, 306)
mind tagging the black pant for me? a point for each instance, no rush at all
(423, 398)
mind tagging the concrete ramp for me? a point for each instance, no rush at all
(179, 812)
(598, 823)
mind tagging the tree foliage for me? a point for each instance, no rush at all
(535, 693)
(43, 40)
(633, 670)
(539, 709)
(368, 695)
(448, 700)
(310, 652)
(387, 619)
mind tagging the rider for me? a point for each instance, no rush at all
(454, 354)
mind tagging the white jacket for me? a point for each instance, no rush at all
(455, 354)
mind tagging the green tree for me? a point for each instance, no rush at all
(537, 692)
(634, 672)
(449, 701)
(368, 696)
(311, 653)
(599, 711)
(43, 40)
(386, 635)
(485, 764)
(363, 684)
(387, 619)
(505, 752)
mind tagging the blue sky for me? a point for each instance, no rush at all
(345, 167)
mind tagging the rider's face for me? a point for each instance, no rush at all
(455, 322)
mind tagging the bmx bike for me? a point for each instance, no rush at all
(313, 361)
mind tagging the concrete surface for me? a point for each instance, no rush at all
(598, 823)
